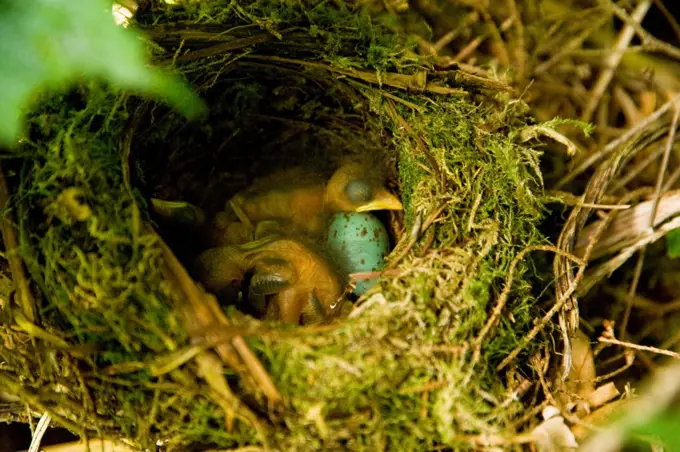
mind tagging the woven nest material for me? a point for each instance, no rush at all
(124, 345)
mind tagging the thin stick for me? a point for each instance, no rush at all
(607, 268)
(561, 302)
(197, 301)
(415, 235)
(664, 165)
(627, 105)
(606, 206)
(445, 40)
(220, 49)
(634, 171)
(376, 274)
(570, 47)
(672, 179)
(393, 79)
(519, 49)
(503, 298)
(469, 49)
(95, 445)
(669, 17)
(613, 145)
(630, 359)
(652, 216)
(613, 60)
(498, 48)
(16, 266)
(540, 325)
(40, 430)
(632, 290)
(644, 348)
(649, 42)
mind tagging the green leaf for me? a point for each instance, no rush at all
(673, 243)
(663, 428)
(49, 44)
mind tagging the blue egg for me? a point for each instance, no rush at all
(359, 242)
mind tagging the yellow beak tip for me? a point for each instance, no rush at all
(387, 204)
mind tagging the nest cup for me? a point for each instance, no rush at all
(264, 118)
(304, 84)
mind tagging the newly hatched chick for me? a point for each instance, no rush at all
(300, 284)
(301, 201)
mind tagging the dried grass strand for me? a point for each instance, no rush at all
(613, 60)
(607, 268)
(615, 144)
(16, 265)
(650, 223)
(503, 298)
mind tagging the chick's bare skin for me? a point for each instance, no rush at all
(309, 288)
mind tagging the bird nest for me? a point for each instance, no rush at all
(124, 344)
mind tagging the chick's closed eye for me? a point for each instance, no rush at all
(358, 192)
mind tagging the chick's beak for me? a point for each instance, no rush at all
(383, 200)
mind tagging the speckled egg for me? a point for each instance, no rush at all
(359, 242)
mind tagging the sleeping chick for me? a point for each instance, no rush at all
(297, 284)
(301, 201)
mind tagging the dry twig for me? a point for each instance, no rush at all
(613, 60)
(649, 42)
(651, 220)
(615, 144)
(659, 392)
(607, 268)
(628, 225)
(502, 300)
(644, 348)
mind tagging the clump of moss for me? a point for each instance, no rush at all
(301, 82)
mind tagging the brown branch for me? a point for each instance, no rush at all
(644, 348)
(414, 83)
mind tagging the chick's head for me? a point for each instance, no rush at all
(357, 187)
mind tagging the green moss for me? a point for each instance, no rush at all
(390, 376)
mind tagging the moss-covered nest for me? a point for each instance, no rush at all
(120, 346)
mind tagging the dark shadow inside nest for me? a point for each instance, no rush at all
(256, 127)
